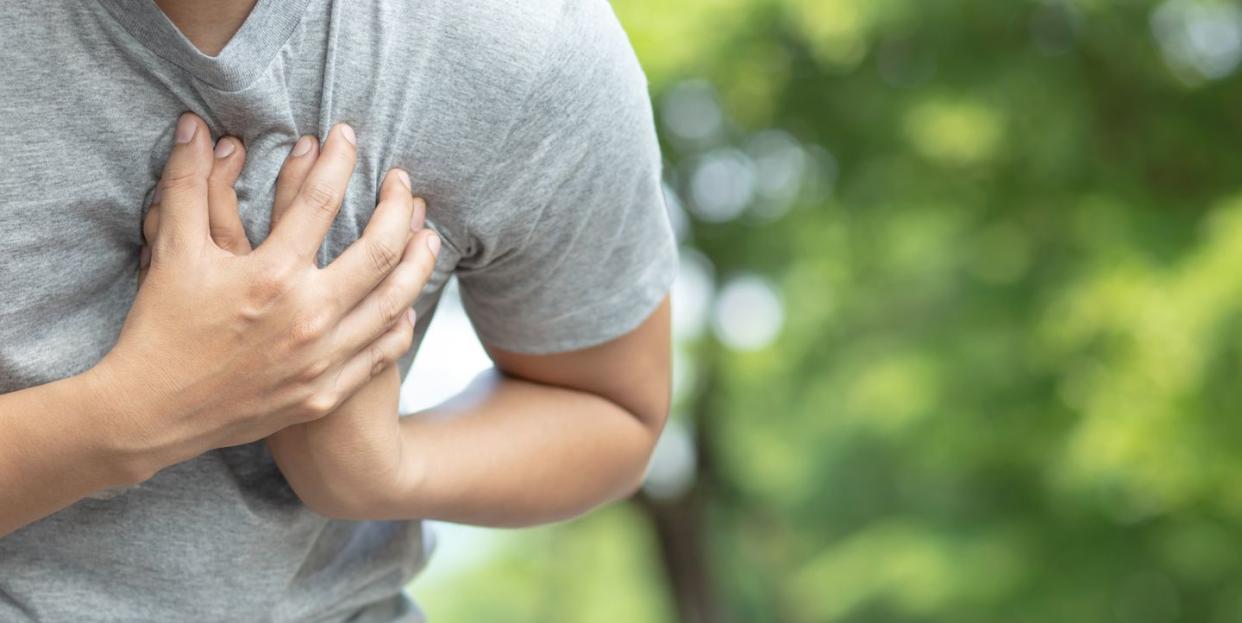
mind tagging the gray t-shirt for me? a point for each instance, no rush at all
(526, 126)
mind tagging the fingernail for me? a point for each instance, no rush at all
(405, 179)
(159, 192)
(433, 243)
(186, 128)
(420, 213)
(302, 147)
(348, 133)
(224, 148)
(144, 257)
(409, 315)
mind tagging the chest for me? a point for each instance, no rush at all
(82, 148)
(71, 218)
(73, 197)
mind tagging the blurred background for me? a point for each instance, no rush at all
(958, 330)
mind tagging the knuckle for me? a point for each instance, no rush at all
(417, 278)
(313, 371)
(323, 197)
(263, 292)
(175, 181)
(311, 327)
(406, 283)
(379, 360)
(394, 346)
(319, 404)
(268, 285)
(389, 308)
(404, 341)
(224, 236)
(382, 256)
(282, 270)
(426, 263)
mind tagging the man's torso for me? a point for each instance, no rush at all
(89, 93)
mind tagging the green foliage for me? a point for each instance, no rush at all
(1009, 364)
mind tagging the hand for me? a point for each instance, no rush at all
(340, 463)
(225, 345)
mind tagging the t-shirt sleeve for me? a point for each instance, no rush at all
(574, 242)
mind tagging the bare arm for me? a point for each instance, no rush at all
(557, 435)
(56, 447)
(220, 347)
(551, 437)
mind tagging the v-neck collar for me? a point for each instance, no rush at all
(247, 54)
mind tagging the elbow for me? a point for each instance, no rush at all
(333, 509)
(652, 413)
(625, 475)
(350, 509)
(636, 474)
(631, 487)
(352, 505)
(328, 506)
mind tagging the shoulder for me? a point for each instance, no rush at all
(478, 66)
(511, 48)
(482, 62)
(473, 89)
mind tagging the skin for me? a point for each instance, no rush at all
(208, 25)
(542, 438)
(546, 438)
(226, 345)
(219, 348)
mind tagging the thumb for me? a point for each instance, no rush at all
(183, 189)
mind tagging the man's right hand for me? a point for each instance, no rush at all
(225, 345)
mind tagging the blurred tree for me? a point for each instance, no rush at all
(959, 330)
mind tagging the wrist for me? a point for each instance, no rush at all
(409, 490)
(387, 493)
(128, 422)
(391, 497)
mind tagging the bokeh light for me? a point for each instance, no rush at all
(693, 292)
(957, 324)
(671, 471)
(748, 314)
(722, 185)
(1200, 40)
(780, 164)
(691, 112)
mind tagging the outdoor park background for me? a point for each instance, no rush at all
(958, 329)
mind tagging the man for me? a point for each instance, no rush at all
(526, 129)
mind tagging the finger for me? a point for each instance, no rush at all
(303, 226)
(385, 305)
(144, 263)
(293, 174)
(151, 224)
(183, 188)
(224, 218)
(378, 355)
(371, 257)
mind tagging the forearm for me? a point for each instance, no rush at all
(506, 453)
(340, 463)
(522, 453)
(56, 447)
